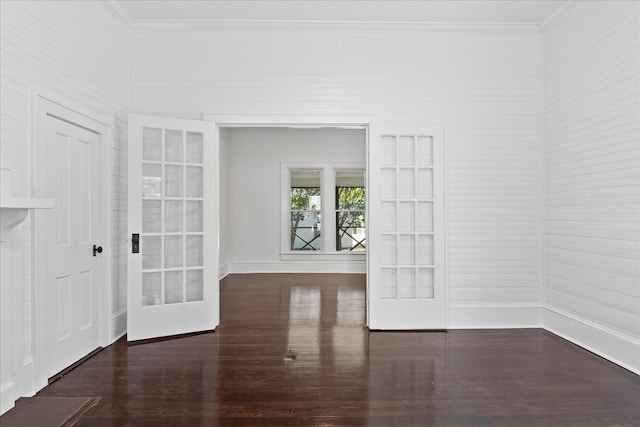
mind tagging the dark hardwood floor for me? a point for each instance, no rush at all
(292, 350)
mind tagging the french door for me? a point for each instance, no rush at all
(172, 263)
(407, 289)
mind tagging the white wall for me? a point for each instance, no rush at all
(483, 86)
(592, 179)
(80, 52)
(252, 158)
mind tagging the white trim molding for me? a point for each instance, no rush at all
(243, 267)
(366, 122)
(120, 13)
(557, 13)
(615, 347)
(223, 271)
(494, 317)
(119, 322)
(353, 26)
(208, 25)
(7, 396)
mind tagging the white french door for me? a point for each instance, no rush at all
(172, 271)
(407, 289)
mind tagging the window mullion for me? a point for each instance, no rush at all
(328, 194)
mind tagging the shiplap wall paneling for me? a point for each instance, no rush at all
(592, 176)
(76, 51)
(485, 89)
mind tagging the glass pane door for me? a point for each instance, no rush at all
(407, 279)
(172, 234)
(172, 275)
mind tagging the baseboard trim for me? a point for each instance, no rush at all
(294, 267)
(223, 271)
(119, 322)
(24, 378)
(494, 317)
(7, 396)
(621, 350)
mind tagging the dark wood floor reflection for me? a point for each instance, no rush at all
(292, 350)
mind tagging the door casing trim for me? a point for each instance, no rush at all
(368, 123)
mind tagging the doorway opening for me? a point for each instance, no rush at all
(266, 171)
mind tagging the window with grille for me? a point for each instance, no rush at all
(325, 207)
(305, 202)
(350, 211)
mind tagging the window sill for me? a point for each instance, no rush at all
(323, 256)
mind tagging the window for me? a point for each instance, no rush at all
(305, 213)
(350, 210)
(323, 210)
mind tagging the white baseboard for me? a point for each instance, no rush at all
(615, 347)
(223, 271)
(7, 396)
(119, 321)
(492, 317)
(25, 378)
(294, 267)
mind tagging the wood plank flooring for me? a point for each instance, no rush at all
(291, 350)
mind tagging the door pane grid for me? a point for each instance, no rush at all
(407, 184)
(173, 180)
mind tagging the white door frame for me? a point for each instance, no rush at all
(44, 103)
(365, 122)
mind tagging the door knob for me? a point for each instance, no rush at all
(97, 250)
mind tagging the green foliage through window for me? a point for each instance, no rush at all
(350, 219)
(305, 218)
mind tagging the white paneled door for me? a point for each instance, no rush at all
(172, 263)
(73, 236)
(407, 288)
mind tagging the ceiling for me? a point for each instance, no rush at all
(474, 11)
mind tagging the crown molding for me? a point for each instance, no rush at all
(562, 8)
(333, 26)
(120, 13)
(116, 8)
